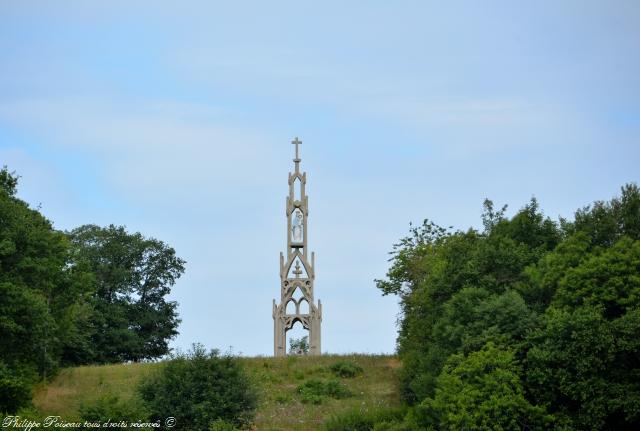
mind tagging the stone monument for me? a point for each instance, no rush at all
(297, 273)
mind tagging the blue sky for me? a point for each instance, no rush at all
(175, 119)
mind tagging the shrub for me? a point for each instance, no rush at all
(311, 398)
(337, 390)
(346, 369)
(222, 425)
(396, 426)
(366, 420)
(313, 391)
(199, 388)
(283, 398)
(15, 390)
(114, 409)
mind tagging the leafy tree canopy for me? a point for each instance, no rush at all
(132, 277)
(524, 319)
(92, 295)
(481, 391)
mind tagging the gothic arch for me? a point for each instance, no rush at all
(297, 188)
(297, 293)
(291, 307)
(303, 306)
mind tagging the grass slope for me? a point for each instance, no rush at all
(280, 408)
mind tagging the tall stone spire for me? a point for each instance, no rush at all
(297, 273)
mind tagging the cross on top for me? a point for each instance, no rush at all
(296, 142)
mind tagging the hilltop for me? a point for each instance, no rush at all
(281, 407)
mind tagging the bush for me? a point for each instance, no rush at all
(283, 398)
(396, 426)
(199, 388)
(222, 425)
(314, 391)
(311, 398)
(337, 390)
(346, 369)
(15, 391)
(114, 409)
(366, 420)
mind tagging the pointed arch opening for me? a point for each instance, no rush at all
(303, 306)
(297, 189)
(291, 307)
(297, 294)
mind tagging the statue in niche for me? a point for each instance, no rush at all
(297, 226)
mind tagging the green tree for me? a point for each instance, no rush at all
(67, 299)
(132, 276)
(541, 279)
(38, 291)
(299, 346)
(561, 299)
(452, 285)
(473, 317)
(482, 391)
(609, 278)
(32, 259)
(586, 369)
(605, 222)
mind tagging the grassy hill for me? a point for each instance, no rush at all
(281, 406)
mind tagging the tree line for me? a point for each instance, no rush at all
(93, 295)
(526, 324)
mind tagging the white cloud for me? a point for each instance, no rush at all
(427, 104)
(150, 149)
